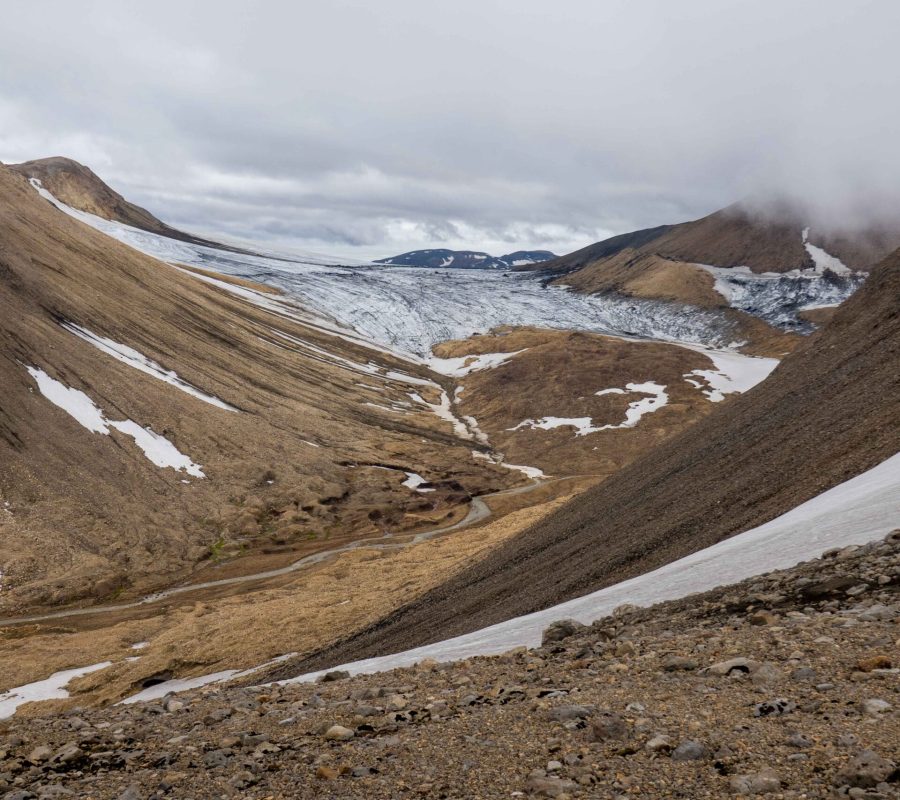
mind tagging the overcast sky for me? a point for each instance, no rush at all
(369, 128)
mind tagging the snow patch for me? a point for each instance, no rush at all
(52, 688)
(733, 373)
(414, 481)
(79, 406)
(461, 366)
(176, 685)
(657, 398)
(530, 472)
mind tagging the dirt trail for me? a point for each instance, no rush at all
(479, 511)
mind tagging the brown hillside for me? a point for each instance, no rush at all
(79, 187)
(830, 411)
(733, 236)
(88, 515)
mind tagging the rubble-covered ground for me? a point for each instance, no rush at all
(785, 685)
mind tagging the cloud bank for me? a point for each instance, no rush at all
(371, 128)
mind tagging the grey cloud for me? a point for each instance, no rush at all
(374, 128)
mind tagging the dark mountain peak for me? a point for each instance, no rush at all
(442, 258)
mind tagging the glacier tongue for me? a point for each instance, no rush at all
(412, 309)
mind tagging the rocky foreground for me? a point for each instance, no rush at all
(785, 685)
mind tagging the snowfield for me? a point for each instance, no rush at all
(863, 509)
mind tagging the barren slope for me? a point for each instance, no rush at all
(830, 411)
(84, 512)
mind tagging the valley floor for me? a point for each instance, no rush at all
(783, 685)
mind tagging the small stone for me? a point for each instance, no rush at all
(217, 758)
(879, 611)
(554, 766)
(396, 702)
(762, 618)
(334, 675)
(874, 662)
(608, 725)
(690, 751)
(762, 782)
(561, 629)
(865, 770)
(767, 674)
(172, 704)
(325, 773)
(338, 733)
(132, 792)
(565, 713)
(659, 743)
(725, 668)
(675, 663)
(39, 755)
(799, 740)
(876, 706)
(552, 786)
(69, 753)
(774, 708)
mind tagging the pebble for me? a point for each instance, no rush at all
(865, 770)
(876, 706)
(561, 629)
(608, 725)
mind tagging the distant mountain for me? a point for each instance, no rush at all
(778, 267)
(467, 259)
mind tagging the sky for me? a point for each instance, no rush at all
(367, 129)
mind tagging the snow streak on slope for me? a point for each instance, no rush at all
(80, 407)
(823, 261)
(861, 510)
(412, 309)
(133, 358)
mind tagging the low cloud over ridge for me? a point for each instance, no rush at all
(371, 129)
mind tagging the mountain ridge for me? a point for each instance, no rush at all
(467, 259)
